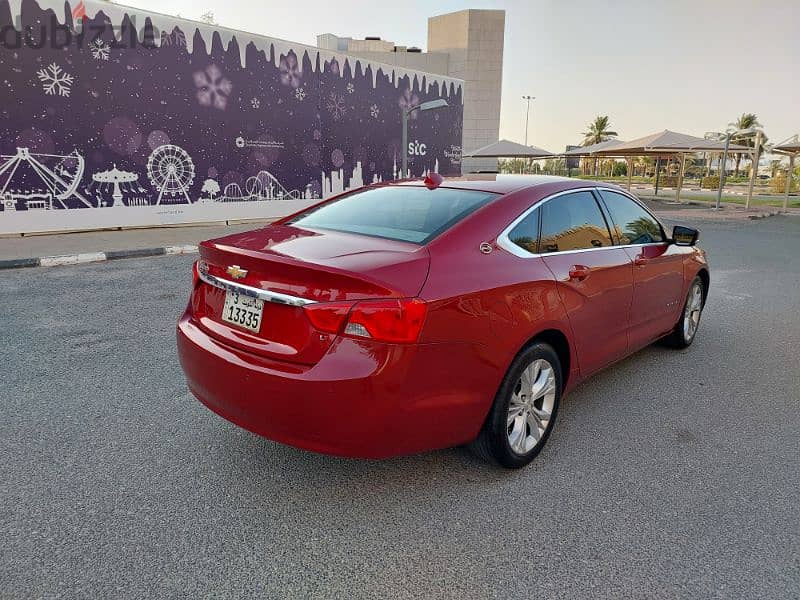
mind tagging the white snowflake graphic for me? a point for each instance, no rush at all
(335, 106)
(291, 74)
(55, 80)
(374, 111)
(300, 94)
(350, 88)
(213, 88)
(100, 50)
(255, 103)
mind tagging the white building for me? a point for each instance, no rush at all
(467, 44)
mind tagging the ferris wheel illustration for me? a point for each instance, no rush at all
(171, 171)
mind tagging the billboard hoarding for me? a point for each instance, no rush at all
(121, 117)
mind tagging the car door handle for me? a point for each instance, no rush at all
(641, 260)
(579, 272)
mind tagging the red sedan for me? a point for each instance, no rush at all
(417, 315)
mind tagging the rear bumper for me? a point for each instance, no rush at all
(362, 399)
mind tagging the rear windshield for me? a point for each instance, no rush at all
(409, 214)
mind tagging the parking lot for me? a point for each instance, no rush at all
(673, 474)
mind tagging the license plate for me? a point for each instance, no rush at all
(243, 311)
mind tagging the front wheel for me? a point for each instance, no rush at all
(685, 330)
(524, 409)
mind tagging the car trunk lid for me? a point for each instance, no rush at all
(300, 265)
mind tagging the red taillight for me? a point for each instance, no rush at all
(195, 274)
(392, 320)
(328, 316)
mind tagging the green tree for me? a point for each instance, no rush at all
(746, 121)
(598, 131)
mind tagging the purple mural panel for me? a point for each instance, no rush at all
(139, 111)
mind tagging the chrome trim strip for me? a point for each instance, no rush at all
(506, 244)
(247, 290)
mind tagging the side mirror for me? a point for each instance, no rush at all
(684, 236)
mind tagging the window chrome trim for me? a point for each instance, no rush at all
(506, 244)
(641, 205)
(252, 292)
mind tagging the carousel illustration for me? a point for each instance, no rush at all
(120, 181)
(31, 181)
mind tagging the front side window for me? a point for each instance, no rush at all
(573, 222)
(632, 223)
(403, 213)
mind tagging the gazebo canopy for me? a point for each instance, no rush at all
(508, 149)
(790, 146)
(668, 142)
(589, 150)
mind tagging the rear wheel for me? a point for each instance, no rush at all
(686, 328)
(524, 409)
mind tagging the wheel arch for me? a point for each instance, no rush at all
(559, 341)
(705, 277)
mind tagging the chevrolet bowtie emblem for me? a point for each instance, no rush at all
(236, 271)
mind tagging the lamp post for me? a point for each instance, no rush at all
(430, 105)
(527, 114)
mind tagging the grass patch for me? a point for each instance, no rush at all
(794, 202)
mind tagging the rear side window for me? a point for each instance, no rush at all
(404, 213)
(633, 224)
(573, 222)
(526, 233)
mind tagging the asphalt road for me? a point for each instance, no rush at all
(673, 474)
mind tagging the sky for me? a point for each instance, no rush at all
(691, 66)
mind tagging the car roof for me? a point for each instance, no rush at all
(493, 182)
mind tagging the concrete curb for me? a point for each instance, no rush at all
(90, 257)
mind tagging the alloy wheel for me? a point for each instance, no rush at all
(531, 406)
(691, 314)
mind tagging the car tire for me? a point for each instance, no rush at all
(516, 429)
(685, 329)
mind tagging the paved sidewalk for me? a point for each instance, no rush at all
(670, 210)
(92, 246)
(12, 248)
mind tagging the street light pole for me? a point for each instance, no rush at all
(404, 145)
(527, 114)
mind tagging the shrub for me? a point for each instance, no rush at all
(778, 183)
(668, 181)
(711, 182)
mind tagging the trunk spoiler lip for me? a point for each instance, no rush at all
(208, 248)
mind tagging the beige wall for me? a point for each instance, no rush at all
(430, 62)
(467, 45)
(473, 40)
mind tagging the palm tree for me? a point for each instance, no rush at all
(746, 121)
(641, 163)
(598, 131)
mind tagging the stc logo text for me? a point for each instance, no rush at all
(417, 148)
